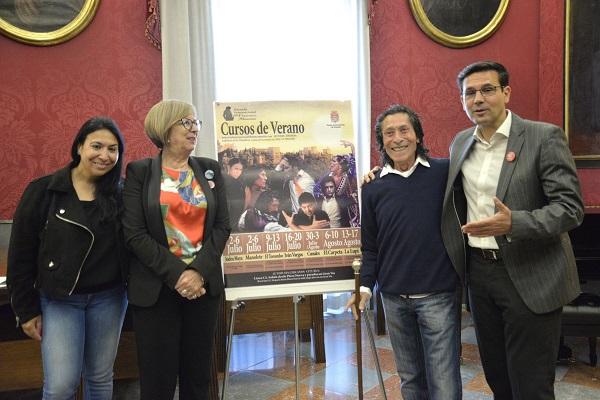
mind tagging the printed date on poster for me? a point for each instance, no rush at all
(292, 250)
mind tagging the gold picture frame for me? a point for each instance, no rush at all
(43, 23)
(450, 24)
(582, 81)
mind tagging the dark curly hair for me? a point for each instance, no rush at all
(413, 117)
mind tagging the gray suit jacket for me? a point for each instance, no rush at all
(541, 188)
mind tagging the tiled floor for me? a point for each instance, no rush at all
(262, 368)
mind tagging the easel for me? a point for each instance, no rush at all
(239, 305)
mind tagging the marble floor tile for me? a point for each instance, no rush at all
(284, 367)
(342, 378)
(565, 391)
(385, 356)
(383, 341)
(478, 384)
(468, 371)
(467, 335)
(583, 375)
(470, 353)
(392, 390)
(310, 393)
(253, 386)
(468, 395)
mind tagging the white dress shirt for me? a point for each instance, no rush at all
(332, 208)
(480, 175)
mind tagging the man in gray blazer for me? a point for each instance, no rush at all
(512, 195)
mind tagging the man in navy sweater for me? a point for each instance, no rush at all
(404, 254)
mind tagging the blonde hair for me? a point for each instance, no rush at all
(162, 116)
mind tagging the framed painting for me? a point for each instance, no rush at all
(582, 79)
(459, 23)
(45, 22)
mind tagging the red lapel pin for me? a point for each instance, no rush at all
(510, 156)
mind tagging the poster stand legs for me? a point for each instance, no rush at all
(374, 350)
(238, 305)
(297, 300)
(235, 305)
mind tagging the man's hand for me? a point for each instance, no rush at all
(370, 175)
(496, 225)
(33, 328)
(364, 297)
(190, 284)
(288, 218)
(319, 224)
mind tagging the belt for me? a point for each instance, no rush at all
(487, 254)
(415, 296)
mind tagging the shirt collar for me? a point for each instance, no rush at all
(503, 129)
(388, 169)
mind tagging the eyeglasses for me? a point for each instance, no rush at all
(189, 123)
(486, 91)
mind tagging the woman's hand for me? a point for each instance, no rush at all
(190, 284)
(33, 328)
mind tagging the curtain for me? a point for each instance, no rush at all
(188, 62)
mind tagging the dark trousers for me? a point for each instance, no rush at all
(174, 338)
(518, 348)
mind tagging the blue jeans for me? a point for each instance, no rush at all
(425, 337)
(80, 335)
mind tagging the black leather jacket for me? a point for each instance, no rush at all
(49, 244)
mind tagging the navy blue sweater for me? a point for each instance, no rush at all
(401, 238)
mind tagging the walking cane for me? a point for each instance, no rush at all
(356, 267)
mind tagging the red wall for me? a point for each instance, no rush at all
(408, 67)
(46, 93)
(111, 69)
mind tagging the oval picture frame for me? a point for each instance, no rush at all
(483, 26)
(65, 32)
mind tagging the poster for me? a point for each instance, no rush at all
(292, 190)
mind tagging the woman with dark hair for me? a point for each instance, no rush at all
(67, 264)
(255, 180)
(342, 170)
(265, 216)
(176, 225)
(236, 194)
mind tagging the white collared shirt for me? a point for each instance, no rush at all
(480, 175)
(332, 208)
(388, 169)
